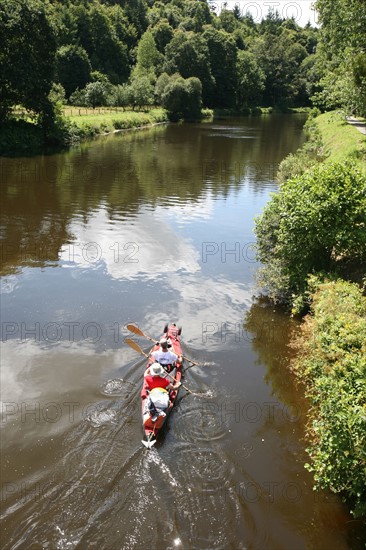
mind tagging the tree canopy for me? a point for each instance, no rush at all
(239, 63)
(27, 55)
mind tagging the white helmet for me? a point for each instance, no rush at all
(156, 369)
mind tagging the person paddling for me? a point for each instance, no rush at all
(165, 357)
(158, 386)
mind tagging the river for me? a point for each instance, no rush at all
(151, 226)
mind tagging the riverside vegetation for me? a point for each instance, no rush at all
(312, 240)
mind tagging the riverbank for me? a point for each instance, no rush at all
(341, 141)
(329, 138)
(22, 136)
(331, 351)
(325, 181)
(96, 123)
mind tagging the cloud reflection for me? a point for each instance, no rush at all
(143, 247)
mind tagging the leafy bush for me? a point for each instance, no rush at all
(308, 155)
(332, 362)
(314, 223)
(182, 97)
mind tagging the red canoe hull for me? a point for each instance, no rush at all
(152, 429)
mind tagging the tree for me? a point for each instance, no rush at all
(280, 57)
(160, 86)
(199, 12)
(142, 91)
(188, 55)
(182, 98)
(162, 33)
(96, 94)
(148, 56)
(72, 68)
(342, 39)
(27, 56)
(223, 57)
(315, 223)
(250, 83)
(108, 54)
(122, 95)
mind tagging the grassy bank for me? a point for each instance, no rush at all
(95, 122)
(22, 136)
(331, 360)
(329, 138)
(341, 141)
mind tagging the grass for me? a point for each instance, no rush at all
(99, 121)
(341, 140)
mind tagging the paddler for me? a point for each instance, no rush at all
(165, 357)
(159, 386)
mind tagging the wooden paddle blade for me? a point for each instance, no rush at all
(138, 331)
(135, 330)
(135, 346)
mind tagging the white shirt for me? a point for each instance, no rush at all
(164, 357)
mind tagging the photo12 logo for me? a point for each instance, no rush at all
(224, 252)
(299, 11)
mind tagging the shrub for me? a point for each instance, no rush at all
(332, 362)
(314, 223)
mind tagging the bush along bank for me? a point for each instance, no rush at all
(331, 360)
(316, 222)
(315, 225)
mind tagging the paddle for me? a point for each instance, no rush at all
(137, 348)
(136, 330)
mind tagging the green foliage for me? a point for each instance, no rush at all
(188, 55)
(251, 81)
(308, 155)
(142, 91)
(72, 68)
(315, 222)
(332, 362)
(26, 55)
(96, 94)
(162, 33)
(57, 94)
(18, 137)
(341, 49)
(182, 98)
(160, 86)
(222, 58)
(148, 56)
(280, 57)
(121, 95)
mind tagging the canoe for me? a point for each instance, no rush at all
(152, 428)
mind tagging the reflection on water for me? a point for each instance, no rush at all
(150, 226)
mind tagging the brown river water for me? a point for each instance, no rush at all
(151, 226)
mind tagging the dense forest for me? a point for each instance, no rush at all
(179, 54)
